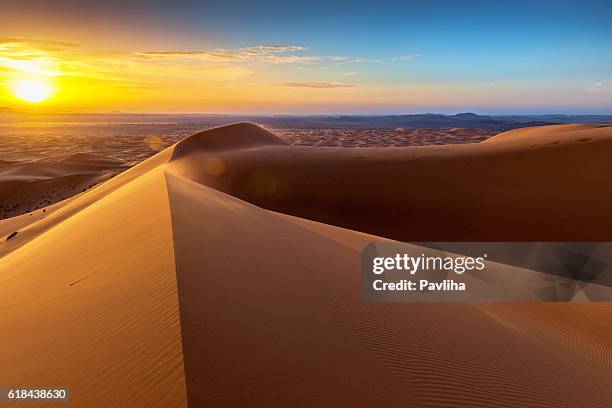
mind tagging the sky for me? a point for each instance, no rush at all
(315, 57)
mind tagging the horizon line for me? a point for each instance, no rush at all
(7, 110)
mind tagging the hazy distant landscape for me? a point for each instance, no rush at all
(497, 123)
(31, 136)
(44, 162)
(45, 158)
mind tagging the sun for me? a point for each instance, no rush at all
(31, 89)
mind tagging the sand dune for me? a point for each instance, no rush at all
(535, 188)
(557, 133)
(27, 186)
(172, 285)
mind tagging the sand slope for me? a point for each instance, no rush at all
(157, 288)
(93, 306)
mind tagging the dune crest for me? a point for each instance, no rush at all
(173, 284)
(231, 137)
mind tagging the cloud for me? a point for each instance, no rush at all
(407, 57)
(339, 59)
(317, 85)
(362, 60)
(600, 87)
(8, 43)
(220, 55)
(32, 56)
(290, 59)
(276, 54)
(180, 53)
(271, 49)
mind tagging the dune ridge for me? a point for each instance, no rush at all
(173, 284)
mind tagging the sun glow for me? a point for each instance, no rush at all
(31, 89)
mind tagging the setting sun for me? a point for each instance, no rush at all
(31, 89)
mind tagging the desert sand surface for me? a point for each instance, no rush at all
(26, 186)
(399, 137)
(201, 277)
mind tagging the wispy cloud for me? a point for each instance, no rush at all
(290, 59)
(277, 54)
(272, 49)
(219, 55)
(600, 87)
(8, 43)
(32, 56)
(407, 57)
(339, 59)
(318, 85)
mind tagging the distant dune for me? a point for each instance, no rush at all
(173, 284)
(26, 186)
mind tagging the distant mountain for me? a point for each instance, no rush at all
(469, 116)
